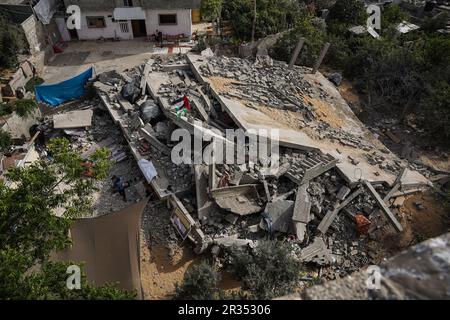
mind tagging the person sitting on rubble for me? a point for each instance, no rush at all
(119, 186)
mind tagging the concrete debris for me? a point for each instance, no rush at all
(233, 240)
(318, 253)
(74, 119)
(278, 216)
(136, 113)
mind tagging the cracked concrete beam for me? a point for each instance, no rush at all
(388, 213)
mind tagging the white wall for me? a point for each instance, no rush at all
(184, 19)
(111, 30)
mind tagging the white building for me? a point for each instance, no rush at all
(129, 19)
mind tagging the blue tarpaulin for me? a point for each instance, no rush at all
(57, 93)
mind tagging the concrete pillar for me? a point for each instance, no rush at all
(296, 52)
(322, 55)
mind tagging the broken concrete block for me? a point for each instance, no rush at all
(241, 200)
(300, 230)
(73, 119)
(302, 207)
(317, 252)
(278, 216)
(233, 241)
(343, 193)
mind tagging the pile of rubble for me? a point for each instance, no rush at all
(307, 200)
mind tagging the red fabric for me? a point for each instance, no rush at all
(362, 224)
(187, 105)
(57, 49)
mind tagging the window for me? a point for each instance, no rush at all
(96, 22)
(167, 19)
(127, 3)
(124, 27)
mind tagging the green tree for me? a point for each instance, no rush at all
(272, 16)
(348, 12)
(271, 270)
(211, 9)
(314, 40)
(392, 15)
(11, 43)
(432, 24)
(5, 141)
(199, 283)
(30, 229)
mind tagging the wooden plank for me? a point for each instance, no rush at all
(392, 219)
(331, 215)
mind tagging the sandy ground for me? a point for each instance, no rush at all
(160, 272)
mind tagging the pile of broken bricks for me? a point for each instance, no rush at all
(307, 201)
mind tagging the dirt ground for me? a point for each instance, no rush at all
(419, 225)
(160, 272)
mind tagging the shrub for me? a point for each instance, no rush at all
(199, 283)
(272, 270)
(5, 141)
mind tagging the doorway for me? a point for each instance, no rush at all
(72, 32)
(139, 28)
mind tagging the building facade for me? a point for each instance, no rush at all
(129, 19)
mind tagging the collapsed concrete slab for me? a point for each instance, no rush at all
(241, 200)
(339, 133)
(73, 119)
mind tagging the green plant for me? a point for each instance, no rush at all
(271, 270)
(23, 107)
(350, 12)
(11, 43)
(5, 141)
(272, 16)
(30, 230)
(211, 9)
(314, 40)
(199, 283)
(32, 83)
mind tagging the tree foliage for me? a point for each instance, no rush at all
(211, 9)
(348, 12)
(5, 141)
(30, 229)
(314, 41)
(199, 283)
(22, 107)
(272, 16)
(271, 270)
(11, 43)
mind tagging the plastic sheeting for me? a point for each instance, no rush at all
(109, 247)
(55, 94)
(45, 9)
